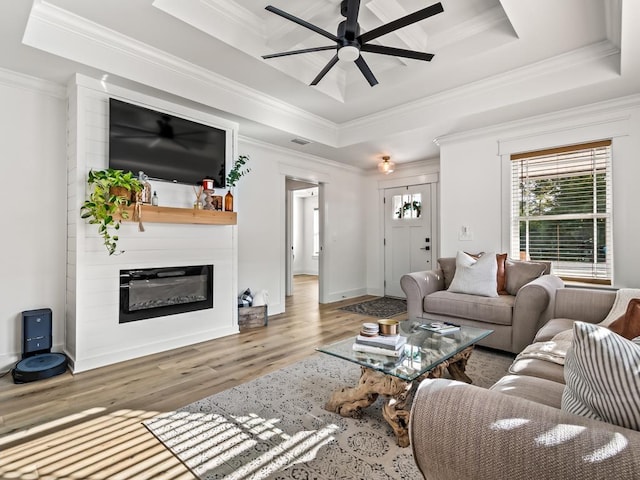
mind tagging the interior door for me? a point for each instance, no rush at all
(408, 240)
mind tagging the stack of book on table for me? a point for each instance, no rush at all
(389, 345)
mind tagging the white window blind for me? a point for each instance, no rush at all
(561, 209)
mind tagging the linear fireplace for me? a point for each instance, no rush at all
(156, 292)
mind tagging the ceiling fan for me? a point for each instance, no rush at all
(349, 42)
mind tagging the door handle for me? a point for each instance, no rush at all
(426, 248)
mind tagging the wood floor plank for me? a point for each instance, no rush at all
(89, 425)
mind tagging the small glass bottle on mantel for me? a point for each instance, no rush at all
(154, 199)
(228, 201)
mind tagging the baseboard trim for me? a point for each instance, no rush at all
(337, 296)
(89, 363)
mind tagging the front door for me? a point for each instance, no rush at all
(408, 241)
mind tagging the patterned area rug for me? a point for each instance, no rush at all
(380, 307)
(275, 427)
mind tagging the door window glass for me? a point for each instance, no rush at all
(407, 206)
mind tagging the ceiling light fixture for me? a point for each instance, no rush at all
(348, 53)
(386, 166)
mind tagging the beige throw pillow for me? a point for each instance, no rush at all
(520, 273)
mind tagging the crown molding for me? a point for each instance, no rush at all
(530, 73)
(591, 114)
(53, 29)
(13, 79)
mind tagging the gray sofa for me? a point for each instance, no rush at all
(516, 429)
(514, 318)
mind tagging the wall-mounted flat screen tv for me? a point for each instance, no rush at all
(163, 146)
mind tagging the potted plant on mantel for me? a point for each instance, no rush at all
(232, 179)
(111, 190)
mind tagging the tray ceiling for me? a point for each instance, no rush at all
(490, 55)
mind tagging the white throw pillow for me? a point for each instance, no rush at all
(602, 376)
(475, 277)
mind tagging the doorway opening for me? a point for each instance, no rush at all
(303, 235)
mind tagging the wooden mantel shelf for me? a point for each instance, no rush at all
(152, 214)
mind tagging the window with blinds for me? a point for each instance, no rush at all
(561, 209)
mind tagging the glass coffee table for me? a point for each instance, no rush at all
(427, 354)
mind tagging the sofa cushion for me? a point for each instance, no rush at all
(602, 374)
(539, 390)
(535, 367)
(552, 328)
(496, 310)
(587, 305)
(475, 276)
(520, 273)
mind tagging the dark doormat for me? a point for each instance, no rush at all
(380, 307)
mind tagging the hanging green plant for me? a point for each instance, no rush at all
(236, 171)
(111, 190)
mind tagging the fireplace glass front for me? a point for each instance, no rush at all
(156, 292)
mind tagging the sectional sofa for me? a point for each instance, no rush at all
(522, 427)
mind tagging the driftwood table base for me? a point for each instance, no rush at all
(350, 401)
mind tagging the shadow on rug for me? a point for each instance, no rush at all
(275, 427)
(380, 307)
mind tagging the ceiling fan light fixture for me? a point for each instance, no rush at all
(386, 166)
(348, 53)
(350, 42)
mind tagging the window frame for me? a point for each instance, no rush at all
(563, 158)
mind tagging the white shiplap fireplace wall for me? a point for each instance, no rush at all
(94, 337)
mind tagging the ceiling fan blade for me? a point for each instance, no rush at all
(397, 52)
(296, 52)
(401, 22)
(325, 70)
(302, 23)
(366, 71)
(353, 7)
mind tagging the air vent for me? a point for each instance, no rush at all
(301, 141)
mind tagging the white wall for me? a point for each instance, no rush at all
(261, 222)
(475, 177)
(32, 122)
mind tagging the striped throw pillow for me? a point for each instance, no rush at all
(602, 376)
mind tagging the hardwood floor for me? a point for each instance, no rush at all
(88, 426)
